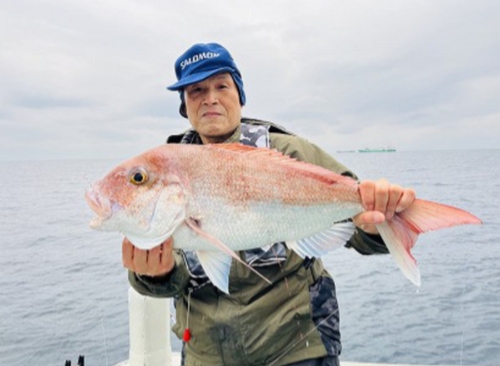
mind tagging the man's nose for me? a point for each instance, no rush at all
(211, 97)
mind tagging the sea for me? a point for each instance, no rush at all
(63, 290)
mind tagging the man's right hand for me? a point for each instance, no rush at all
(158, 261)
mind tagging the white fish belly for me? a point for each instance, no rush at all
(258, 224)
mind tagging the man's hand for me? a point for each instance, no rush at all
(158, 261)
(381, 201)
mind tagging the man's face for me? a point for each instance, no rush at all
(213, 107)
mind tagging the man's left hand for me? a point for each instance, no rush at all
(381, 201)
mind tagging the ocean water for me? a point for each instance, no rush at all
(64, 291)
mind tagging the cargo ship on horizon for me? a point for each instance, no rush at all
(385, 149)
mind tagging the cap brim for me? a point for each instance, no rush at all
(196, 78)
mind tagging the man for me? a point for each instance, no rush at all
(293, 321)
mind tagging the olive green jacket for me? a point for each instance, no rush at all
(258, 322)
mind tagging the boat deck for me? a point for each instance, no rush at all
(176, 361)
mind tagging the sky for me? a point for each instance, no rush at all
(87, 79)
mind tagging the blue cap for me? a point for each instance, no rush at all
(202, 61)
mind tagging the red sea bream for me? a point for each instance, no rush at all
(218, 199)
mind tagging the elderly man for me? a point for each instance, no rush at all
(295, 319)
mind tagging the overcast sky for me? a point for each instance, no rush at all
(86, 79)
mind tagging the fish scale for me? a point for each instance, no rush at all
(217, 199)
(243, 173)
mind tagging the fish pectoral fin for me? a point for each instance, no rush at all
(323, 242)
(216, 266)
(194, 225)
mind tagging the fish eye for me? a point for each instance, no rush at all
(138, 177)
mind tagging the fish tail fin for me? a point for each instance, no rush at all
(401, 232)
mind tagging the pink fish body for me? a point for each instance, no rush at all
(217, 199)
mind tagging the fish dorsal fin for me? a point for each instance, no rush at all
(279, 158)
(323, 242)
(234, 146)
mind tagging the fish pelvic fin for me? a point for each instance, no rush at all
(216, 266)
(323, 242)
(401, 232)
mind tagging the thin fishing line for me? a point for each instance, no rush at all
(86, 177)
(104, 339)
(463, 326)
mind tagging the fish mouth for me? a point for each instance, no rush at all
(102, 206)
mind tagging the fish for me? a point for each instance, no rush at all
(218, 199)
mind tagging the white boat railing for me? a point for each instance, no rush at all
(149, 331)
